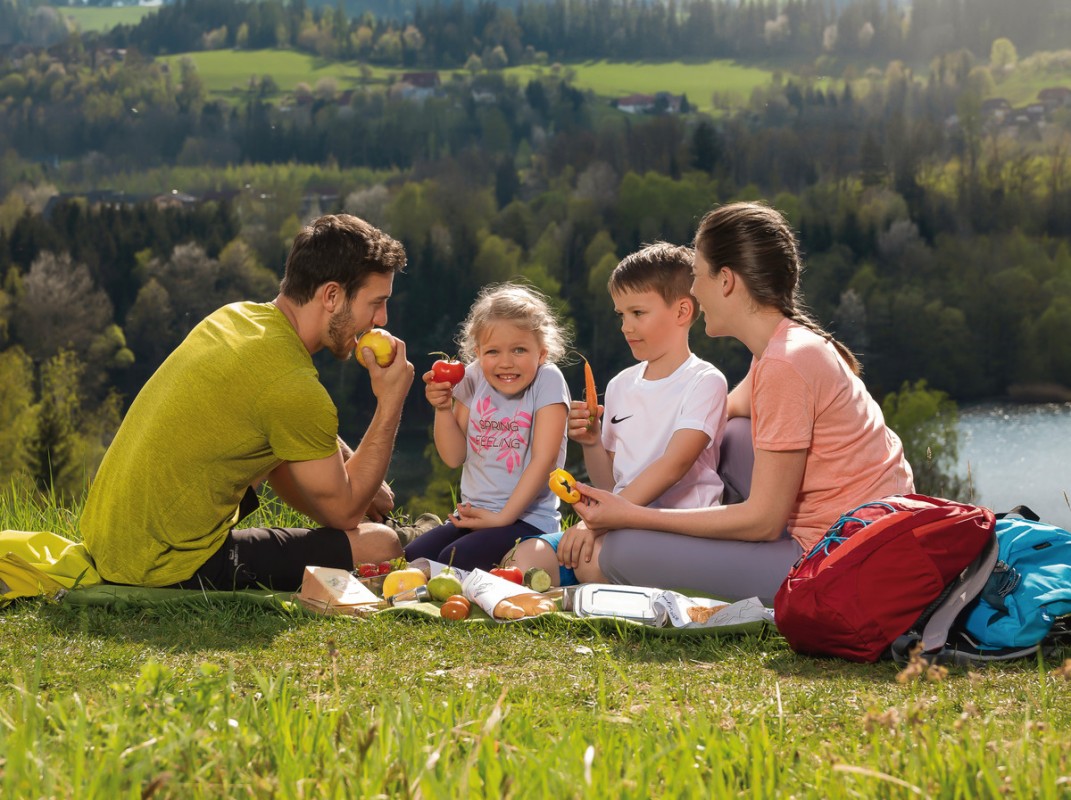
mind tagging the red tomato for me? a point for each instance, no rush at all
(448, 370)
(510, 574)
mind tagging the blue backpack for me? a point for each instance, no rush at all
(1011, 602)
(1020, 604)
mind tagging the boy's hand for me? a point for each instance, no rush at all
(440, 394)
(577, 545)
(580, 427)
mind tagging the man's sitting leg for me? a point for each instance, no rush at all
(275, 558)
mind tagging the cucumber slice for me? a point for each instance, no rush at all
(537, 579)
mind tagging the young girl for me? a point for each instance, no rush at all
(505, 422)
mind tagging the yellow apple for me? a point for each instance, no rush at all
(401, 580)
(381, 343)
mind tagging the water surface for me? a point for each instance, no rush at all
(1019, 454)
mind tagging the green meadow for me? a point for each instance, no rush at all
(101, 18)
(216, 698)
(1022, 86)
(226, 72)
(700, 81)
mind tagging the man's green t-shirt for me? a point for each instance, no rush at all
(238, 397)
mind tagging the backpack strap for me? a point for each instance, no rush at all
(1026, 512)
(937, 620)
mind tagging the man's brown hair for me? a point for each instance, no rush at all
(340, 248)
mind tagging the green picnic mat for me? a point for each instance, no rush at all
(114, 596)
(124, 597)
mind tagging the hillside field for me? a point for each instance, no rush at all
(100, 18)
(225, 72)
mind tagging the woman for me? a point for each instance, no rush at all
(819, 439)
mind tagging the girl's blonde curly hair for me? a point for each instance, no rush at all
(519, 305)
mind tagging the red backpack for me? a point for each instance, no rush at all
(876, 571)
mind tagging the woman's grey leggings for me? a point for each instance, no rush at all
(723, 568)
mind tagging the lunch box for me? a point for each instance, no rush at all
(606, 600)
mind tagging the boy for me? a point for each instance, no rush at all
(666, 415)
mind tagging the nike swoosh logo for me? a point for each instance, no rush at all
(615, 420)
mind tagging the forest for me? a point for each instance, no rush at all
(934, 219)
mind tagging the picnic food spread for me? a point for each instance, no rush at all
(335, 591)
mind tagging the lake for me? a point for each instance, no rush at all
(1019, 455)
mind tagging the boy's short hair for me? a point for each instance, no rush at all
(659, 267)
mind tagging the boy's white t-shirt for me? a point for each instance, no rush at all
(641, 416)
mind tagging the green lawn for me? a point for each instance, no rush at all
(1021, 87)
(99, 18)
(222, 700)
(227, 71)
(699, 81)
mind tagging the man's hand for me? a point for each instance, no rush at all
(382, 503)
(390, 383)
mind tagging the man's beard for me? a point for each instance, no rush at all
(341, 342)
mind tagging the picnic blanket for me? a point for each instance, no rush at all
(123, 597)
(45, 564)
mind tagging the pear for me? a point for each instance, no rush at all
(443, 585)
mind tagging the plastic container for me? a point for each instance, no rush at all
(607, 600)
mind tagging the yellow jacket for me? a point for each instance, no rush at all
(40, 563)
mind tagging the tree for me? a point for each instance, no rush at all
(925, 420)
(68, 443)
(496, 58)
(1002, 57)
(18, 417)
(59, 308)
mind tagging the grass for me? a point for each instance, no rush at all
(101, 18)
(214, 699)
(227, 72)
(700, 81)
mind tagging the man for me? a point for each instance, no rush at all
(238, 402)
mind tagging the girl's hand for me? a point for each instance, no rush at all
(581, 429)
(440, 394)
(603, 510)
(468, 516)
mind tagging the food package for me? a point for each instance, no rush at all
(504, 600)
(327, 590)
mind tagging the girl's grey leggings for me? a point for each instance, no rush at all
(727, 569)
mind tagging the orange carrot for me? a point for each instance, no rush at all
(590, 395)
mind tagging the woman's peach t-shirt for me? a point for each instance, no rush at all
(805, 397)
